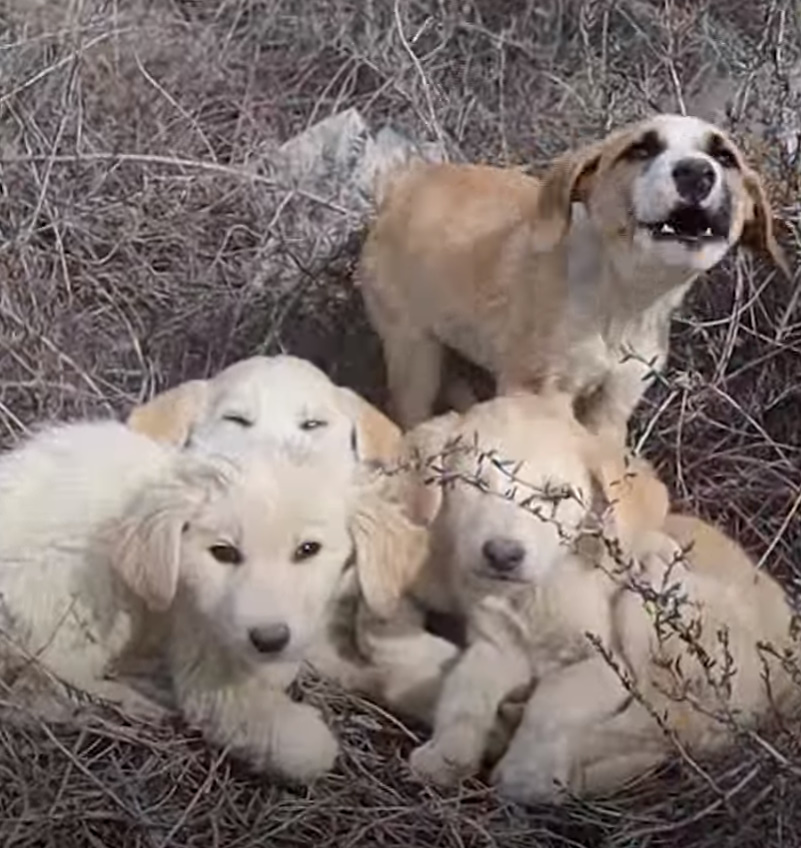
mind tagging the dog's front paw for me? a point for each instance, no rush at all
(303, 746)
(539, 775)
(441, 764)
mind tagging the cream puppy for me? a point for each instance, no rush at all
(567, 282)
(562, 554)
(372, 642)
(267, 399)
(112, 539)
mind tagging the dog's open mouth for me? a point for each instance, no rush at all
(691, 226)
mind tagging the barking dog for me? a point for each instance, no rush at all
(564, 283)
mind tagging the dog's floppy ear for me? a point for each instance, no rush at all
(390, 548)
(422, 446)
(567, 181)
(378, 440)
(169, 416)
(145, 547)
(758, 234)
(634, 499)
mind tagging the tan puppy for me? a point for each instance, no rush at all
(567, 282)
(547, 596)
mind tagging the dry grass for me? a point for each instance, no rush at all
(142, 241)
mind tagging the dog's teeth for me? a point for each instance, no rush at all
(667, 229)
(707, 232)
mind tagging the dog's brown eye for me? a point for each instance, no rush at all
(306, 550)
(723, 156)
(235, 418)
(226, 554)
(720, 151)
(649, 146)
(312, 424)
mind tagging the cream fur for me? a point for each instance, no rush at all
(268, 398)
(276, 397)
(580, 730)
(108, 539)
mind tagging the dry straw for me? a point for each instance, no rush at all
(143, 240)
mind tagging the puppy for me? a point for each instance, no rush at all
(552, 540)
(268, 398)
(374, 641)
(566, 282)
(699, 670)
(110, 537)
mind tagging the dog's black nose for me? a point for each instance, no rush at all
(503, 555)
(270, 639)
(694, 179)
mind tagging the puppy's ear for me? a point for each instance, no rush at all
(568, 180)
(169, 416)
(390, 549)
(145, 546)
(635, 500)
(758, 233)
(422, 447)
(378, 440)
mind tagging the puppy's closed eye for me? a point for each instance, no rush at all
(236, 418)
(227, 553)
(305, 551)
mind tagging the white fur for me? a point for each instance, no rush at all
(284, 399)
(654, 192)
(100, 523)
(61, 604)
(276, 397)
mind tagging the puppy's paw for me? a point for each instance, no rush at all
(539, 775)
(441, 765)
(303, 746)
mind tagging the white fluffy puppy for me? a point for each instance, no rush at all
(553, 542)
(261, 402)
(110, 537)
(268, 399)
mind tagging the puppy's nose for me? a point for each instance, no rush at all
(270, 639)
(694, 179)
(503, 555)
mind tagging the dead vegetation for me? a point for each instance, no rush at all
(143, 240)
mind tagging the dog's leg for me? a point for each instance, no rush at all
(623, 747)
(410, 661)
(467, 711)
(611, 408)
(459, 394)
(566, 711)
(259, 724)
(414, 372)
(127, 699)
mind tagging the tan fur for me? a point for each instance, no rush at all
(168, 417)
(580, 730)
(536, 280)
